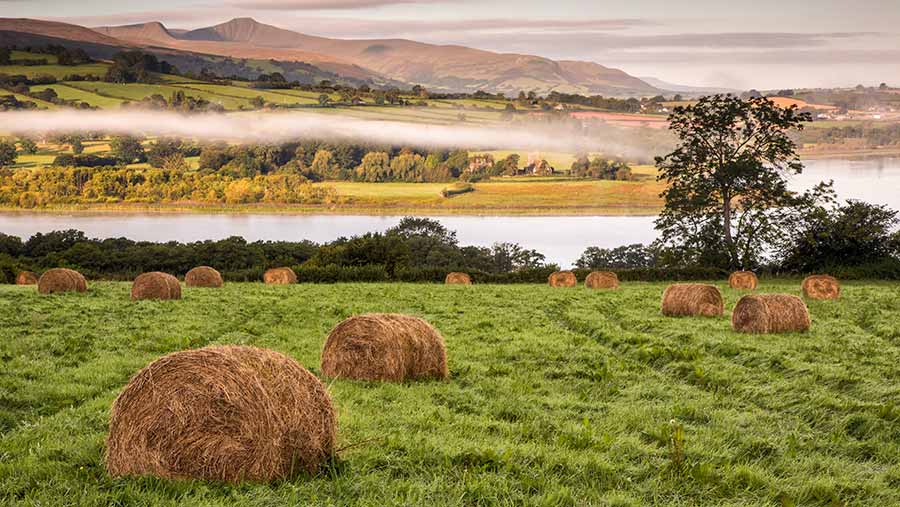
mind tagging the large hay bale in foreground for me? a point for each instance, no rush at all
(770, 313)
(155, 285)
(204, 276)
(58, 280)
(743, 280)
(692, 300)
(227, 413)
(280, 276)
(385, 347)
(821, 287)
(602, 280)
(458, 279)
(26, 278)
(563, 279)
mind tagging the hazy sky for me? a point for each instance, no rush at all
(761, 44)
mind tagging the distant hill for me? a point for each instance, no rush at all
(442, 67)
(688, 90)
(153, 38)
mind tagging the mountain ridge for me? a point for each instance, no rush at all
(444, 67)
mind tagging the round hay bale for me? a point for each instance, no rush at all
(563, 279)
(58, 280)
(602, 280)
(155, 285)
(743, 280)
(203, 276)
(280, 276)
(821, 287)
(26, 278)
(385, 348)
(692, 300)
(228, 413)
(458, 279)
(770, 313)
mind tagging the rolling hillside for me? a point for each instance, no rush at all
(247, 62)
(448, 67)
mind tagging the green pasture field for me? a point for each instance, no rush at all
(67, 92)
(248, 93)
(136, 91)
(556, 397)
(57, 71)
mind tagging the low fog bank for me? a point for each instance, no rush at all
(279, 127)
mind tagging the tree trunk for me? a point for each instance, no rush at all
(726, 230)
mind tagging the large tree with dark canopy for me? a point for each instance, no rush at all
(726, 180)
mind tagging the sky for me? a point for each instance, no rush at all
(763, 44)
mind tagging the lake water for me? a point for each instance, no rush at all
(561, 239)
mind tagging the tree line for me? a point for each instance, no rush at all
(415, 248)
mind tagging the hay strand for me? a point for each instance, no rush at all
(204, 277)
(821, 287)
(602, 280)
(155, 285)
(458, 279)
(562, 279)
(59, 280)
(692, 300)
(770, 313)
(280, 276)
(743, 280)
(26, 278)
(228, 413)
(385, 348)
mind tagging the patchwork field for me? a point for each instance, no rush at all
(555, 397)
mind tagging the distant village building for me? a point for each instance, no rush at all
(537, 166)
(480, 163)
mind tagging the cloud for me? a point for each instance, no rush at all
(301, 5)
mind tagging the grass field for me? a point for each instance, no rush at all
(520, 195)
(556, 397)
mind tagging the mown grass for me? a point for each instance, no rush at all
(556, 397)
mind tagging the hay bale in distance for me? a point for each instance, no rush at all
(602, 280)
(385, 348)
(770, 313)
(280, 276)
(821, 287)
(228, 413)
(458, 279)
(155, 285)
(26, 278)
(563, 279)
(203, 276)
(692, 300)
(743, 280)
(58, 280)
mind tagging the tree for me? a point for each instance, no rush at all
(5, 56)
(28, 145)
(324, 100)
(726, 178)
(127, 149)
(162, 150)
(375, 166)
(77, 145)
(8, 153)
(852, 234)
(324, 165)
(623, 257)
(258, 102)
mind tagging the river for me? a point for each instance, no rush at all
(562, 239)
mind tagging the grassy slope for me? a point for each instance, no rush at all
(565, 397)
(68, 92)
